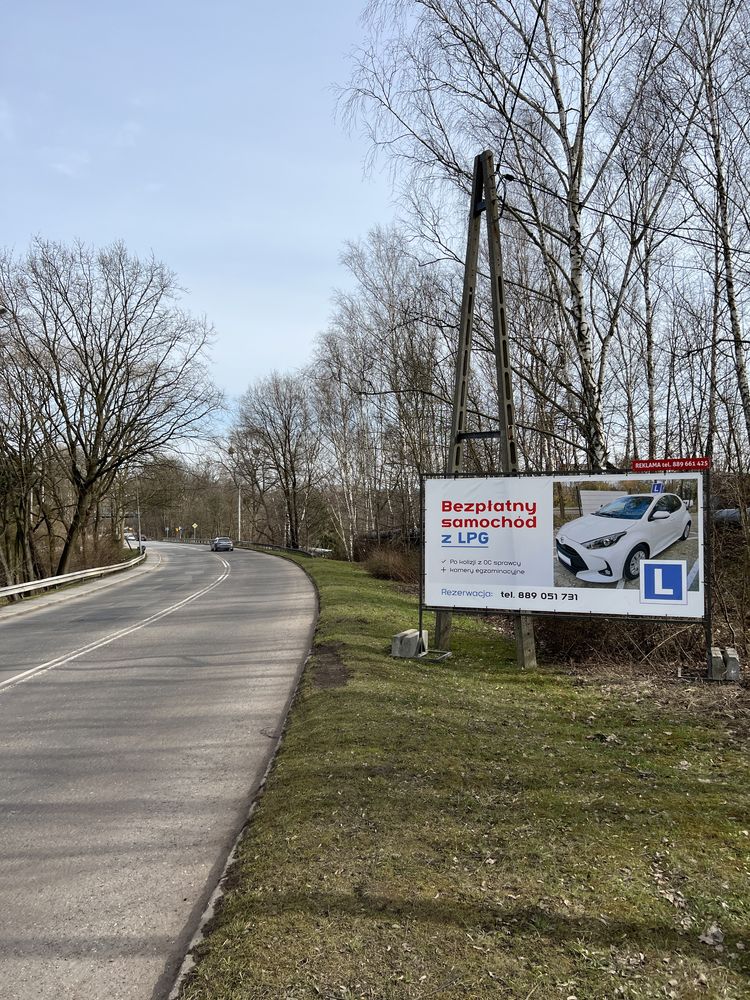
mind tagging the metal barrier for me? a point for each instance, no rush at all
(57, 581)
(244, 544)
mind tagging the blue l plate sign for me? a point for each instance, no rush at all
(663, 581)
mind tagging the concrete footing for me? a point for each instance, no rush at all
(725, 664)
(731, 664)
(409, 643)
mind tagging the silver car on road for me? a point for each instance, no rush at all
(222, 544)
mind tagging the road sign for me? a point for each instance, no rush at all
(195, 526)
(663, 581)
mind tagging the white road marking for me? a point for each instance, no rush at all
(60, 660)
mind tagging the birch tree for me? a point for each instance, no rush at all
(555, 86)
(715, 56)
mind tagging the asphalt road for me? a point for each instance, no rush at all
(130, 750)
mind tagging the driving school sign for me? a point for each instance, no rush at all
(577, 544)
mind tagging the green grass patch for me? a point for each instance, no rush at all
(462, 829)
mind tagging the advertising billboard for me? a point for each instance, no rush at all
(623, 544)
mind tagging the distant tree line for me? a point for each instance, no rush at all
(621, 133)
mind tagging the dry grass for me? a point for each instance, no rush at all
(462, 830)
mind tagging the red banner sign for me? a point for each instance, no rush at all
(670, 464)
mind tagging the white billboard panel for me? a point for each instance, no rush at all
(541, 544)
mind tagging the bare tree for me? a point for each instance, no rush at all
(555, 86)
(715, 58)
(22, 453)
(276, 419)
(119, 369)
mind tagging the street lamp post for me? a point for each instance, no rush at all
(141, 546)
(230, 452)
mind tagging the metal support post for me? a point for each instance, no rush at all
(708, 567)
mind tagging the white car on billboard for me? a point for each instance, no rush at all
(609, 544)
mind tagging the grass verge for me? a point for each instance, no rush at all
(462, 830)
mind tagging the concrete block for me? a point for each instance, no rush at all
(716, 668)
(731, 664)
(407, 643)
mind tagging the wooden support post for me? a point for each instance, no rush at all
(484, 199)
(443, 619)
(525, 644)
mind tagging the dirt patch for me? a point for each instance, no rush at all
(328, 669)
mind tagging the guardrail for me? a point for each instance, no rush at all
(57, 581)
(284, 548)
(244, 544)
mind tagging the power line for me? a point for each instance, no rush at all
(624, 219)
(529, 47)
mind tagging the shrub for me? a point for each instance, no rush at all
(389, 563)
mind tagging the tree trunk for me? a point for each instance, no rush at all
(726, 249)
(596, 448)
(77, 525)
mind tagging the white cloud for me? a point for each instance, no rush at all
(68, 162)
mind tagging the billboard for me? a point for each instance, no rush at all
(623, 544)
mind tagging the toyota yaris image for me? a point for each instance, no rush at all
(609, 544)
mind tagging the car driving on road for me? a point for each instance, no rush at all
(609, 544)
(222, 544)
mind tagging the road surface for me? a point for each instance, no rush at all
(136, 721)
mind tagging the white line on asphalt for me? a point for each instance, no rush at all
(60, 660)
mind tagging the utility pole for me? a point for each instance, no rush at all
(484, 199)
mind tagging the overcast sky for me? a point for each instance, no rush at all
(203, 132)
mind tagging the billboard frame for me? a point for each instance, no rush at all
(706, 619)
